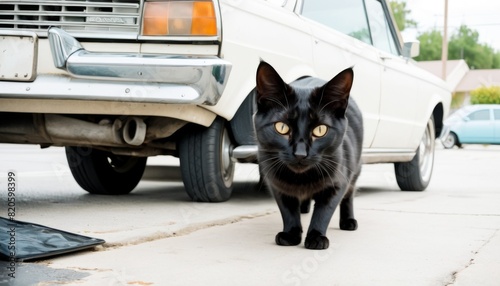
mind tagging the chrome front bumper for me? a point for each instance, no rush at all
(131, 77)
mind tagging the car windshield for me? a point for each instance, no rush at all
(456, 116)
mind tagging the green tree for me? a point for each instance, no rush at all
(496, 60)
(401, 15)
(464, 44)
(430, 46)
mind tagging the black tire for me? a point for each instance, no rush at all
(242, 123)
(103, 173)
(450, 141)
(206, 165)
(416, 174)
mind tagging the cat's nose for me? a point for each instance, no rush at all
(300, 151)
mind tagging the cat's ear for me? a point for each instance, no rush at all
(271, 89)
(335, 93)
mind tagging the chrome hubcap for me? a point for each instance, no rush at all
(227, 163)
(121, 164)
(426, 153)
(449, 141)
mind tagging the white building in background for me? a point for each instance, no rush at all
(461, 79)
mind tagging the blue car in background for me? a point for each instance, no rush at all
(474, 124)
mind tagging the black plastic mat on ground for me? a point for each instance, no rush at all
(21, 241)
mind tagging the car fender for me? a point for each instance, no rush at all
(246, 45)
(438, 108)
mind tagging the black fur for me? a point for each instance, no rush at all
(298, 166)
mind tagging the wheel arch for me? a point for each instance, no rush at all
(438, 114)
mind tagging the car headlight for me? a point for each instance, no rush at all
(179, 18)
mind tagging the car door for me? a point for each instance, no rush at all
(341, 39)
(496, 125)
(399, 89)
(478, 127)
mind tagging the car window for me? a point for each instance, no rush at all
(382, 36)
(480, 115)
(497, 114)
(346, 16)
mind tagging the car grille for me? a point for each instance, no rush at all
(81, 18)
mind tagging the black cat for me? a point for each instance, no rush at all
(310, 137)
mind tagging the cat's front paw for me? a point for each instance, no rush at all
(315, 240)
(348, 224)
(293, 237)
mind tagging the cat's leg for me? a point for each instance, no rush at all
(290, 212)
(325, 204)
(347, 220)
(305, 206)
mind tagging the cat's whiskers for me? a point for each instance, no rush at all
(330, 170)
(322, 171)
(331, 164)
(334, 163)
(275, 166)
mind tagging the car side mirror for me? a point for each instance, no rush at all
(411, 49)
(466, 119)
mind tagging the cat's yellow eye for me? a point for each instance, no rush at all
(320, 130)
(282, 128)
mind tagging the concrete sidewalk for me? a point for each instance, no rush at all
(447, 235)
(391, 247)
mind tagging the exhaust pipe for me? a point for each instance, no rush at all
(64, 130)
(134, 131)
(67, 130)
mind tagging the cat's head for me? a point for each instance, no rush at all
(302, 123)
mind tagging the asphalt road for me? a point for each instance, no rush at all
(446, 235)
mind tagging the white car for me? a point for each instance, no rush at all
(119, 81)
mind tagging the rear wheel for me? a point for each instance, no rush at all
(103, 173)
(206, 165)
(416, 174)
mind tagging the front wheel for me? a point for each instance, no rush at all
(416, 174)
(450, 141)
(103, 173)
(207, 168)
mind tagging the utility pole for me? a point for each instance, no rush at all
(444, 52)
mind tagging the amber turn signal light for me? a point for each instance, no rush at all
(180, 18)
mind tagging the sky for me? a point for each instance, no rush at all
(480, 15)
